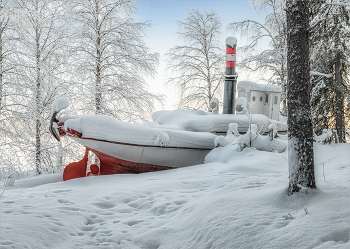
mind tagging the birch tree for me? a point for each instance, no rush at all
(40, 61)
(7, 39)
(5, 47)
(300, 142)
(329, 41)
(112, 59)
(197, 66)
(7, 65)
(273, 59)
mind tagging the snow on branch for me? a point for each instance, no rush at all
(325, 134)
(321, 74)
(339, 4)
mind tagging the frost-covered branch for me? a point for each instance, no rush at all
(321, 74)
(197, 67)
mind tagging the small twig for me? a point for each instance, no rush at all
(336, 136)
(306, 211)
(5, 182)
(258, 132)
(324, 177)
(288, 217)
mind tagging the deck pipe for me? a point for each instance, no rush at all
(230, 76)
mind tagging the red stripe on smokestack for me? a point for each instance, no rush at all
(230, 64)
(230, 50)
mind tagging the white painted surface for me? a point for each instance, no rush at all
(162, 156)
(257, 95)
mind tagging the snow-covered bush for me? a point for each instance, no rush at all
(232, 133)
(232, 143)
(325, 134)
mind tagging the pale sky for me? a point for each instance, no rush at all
(162, 36)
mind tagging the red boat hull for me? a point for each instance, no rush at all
(111, 165)
(108, 165)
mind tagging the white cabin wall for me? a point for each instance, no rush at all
(267, 105)
(259, 105)
(276, 106)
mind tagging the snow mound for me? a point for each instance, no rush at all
(228, 147)
(59, 104)
(200, 121)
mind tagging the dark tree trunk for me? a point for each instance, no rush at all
(300, 142)
(1, 62)
(339, 104)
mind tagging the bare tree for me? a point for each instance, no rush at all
(38, 79)
(4, 23)
(274, 59)
(7, 48)
(300, 134)
(198, 65)
(112, 59)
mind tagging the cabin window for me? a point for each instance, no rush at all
(260, 98)
(253, 98)
(276, 99)
(266, 98)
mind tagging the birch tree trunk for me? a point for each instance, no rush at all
(38, 111)
(300, 133)
(98, 94)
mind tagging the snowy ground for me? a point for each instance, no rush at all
(241, 203)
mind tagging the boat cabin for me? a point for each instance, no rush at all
(264, 99)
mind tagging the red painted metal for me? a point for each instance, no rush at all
(94, 169)
(71, 132)
(108, 165)
(76, 169)
(230, 50)
(111, 165)
(230, 64)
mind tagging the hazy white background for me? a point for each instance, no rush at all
(162, 36)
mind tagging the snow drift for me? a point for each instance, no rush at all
(242, 203)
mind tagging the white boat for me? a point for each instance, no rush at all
(174, 139)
